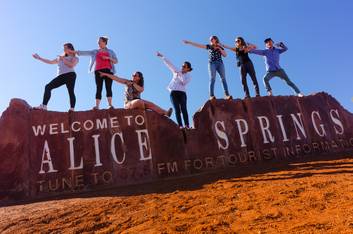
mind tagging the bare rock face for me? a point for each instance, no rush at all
(44, 153)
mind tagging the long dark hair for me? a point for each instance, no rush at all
(70, 46)
(242, 41)
(141, 81)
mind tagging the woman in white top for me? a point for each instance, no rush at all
(177, 89)
(65, 76)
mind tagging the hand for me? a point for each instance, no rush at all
(36, 56)
(101, 74)
(106, 57)
(186, 42)
(159, 54)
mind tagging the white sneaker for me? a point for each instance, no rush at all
(40, 107)
(300, 95)
(71, 109)
(269, 93)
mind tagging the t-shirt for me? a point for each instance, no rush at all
(131, 93)
(213, 54)
(242, 56)
(102, 63)
(63, 68)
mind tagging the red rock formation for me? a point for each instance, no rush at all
(44, 153)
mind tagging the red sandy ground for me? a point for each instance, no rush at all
(315, 197)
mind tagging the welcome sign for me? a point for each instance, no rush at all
(44, 153)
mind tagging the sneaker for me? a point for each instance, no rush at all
(169, 112)
(247, 97)
(228, 97)
(40, 107)
(212, 98)
(111, 107)
(95, 108)
(257, 95)
(300, 95)
(269, 93)
(71, 109)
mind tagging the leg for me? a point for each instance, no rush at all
(55, 83)
(252, 74)
(212, 74)
(243, 72)
(267, 78)
(143, 105)
(108, 87)
(70, 85)
(183, 106)
(99, 86)
(175, 99)
(151, 106)
(221, 71)
(283, 75)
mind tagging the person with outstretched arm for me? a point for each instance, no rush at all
(133, 90)
(102, 60)
(177, 89)
(65, 75)
(273, 69)
(215, 64)
(245, 64)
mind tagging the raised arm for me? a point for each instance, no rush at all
(249, 47)
(194, 44)
(171, 67)
(282, 47)
(258, 52)
(48, 61)
(116, 78)
(84, 53)
(228, 47)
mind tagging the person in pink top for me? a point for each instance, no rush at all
(102, 60)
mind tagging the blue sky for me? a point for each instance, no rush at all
(319, 35)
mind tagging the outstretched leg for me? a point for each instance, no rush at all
(55, 83)
(268, 76)
(283, 75)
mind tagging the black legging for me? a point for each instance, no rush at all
(69, 80)
(99, 83)
(248, 68)
(179, 99)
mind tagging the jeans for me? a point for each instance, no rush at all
(99, 84)
(178, 99)
(281, 74)
(213, 67)
(248, 68)
(67, 79)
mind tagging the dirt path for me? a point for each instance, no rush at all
(314, 197)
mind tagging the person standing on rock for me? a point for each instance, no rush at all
(215, 64)
(177, 89)
(245, 64)
(65, 75)
(102, 60)
(133, 90)
(271, 55)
